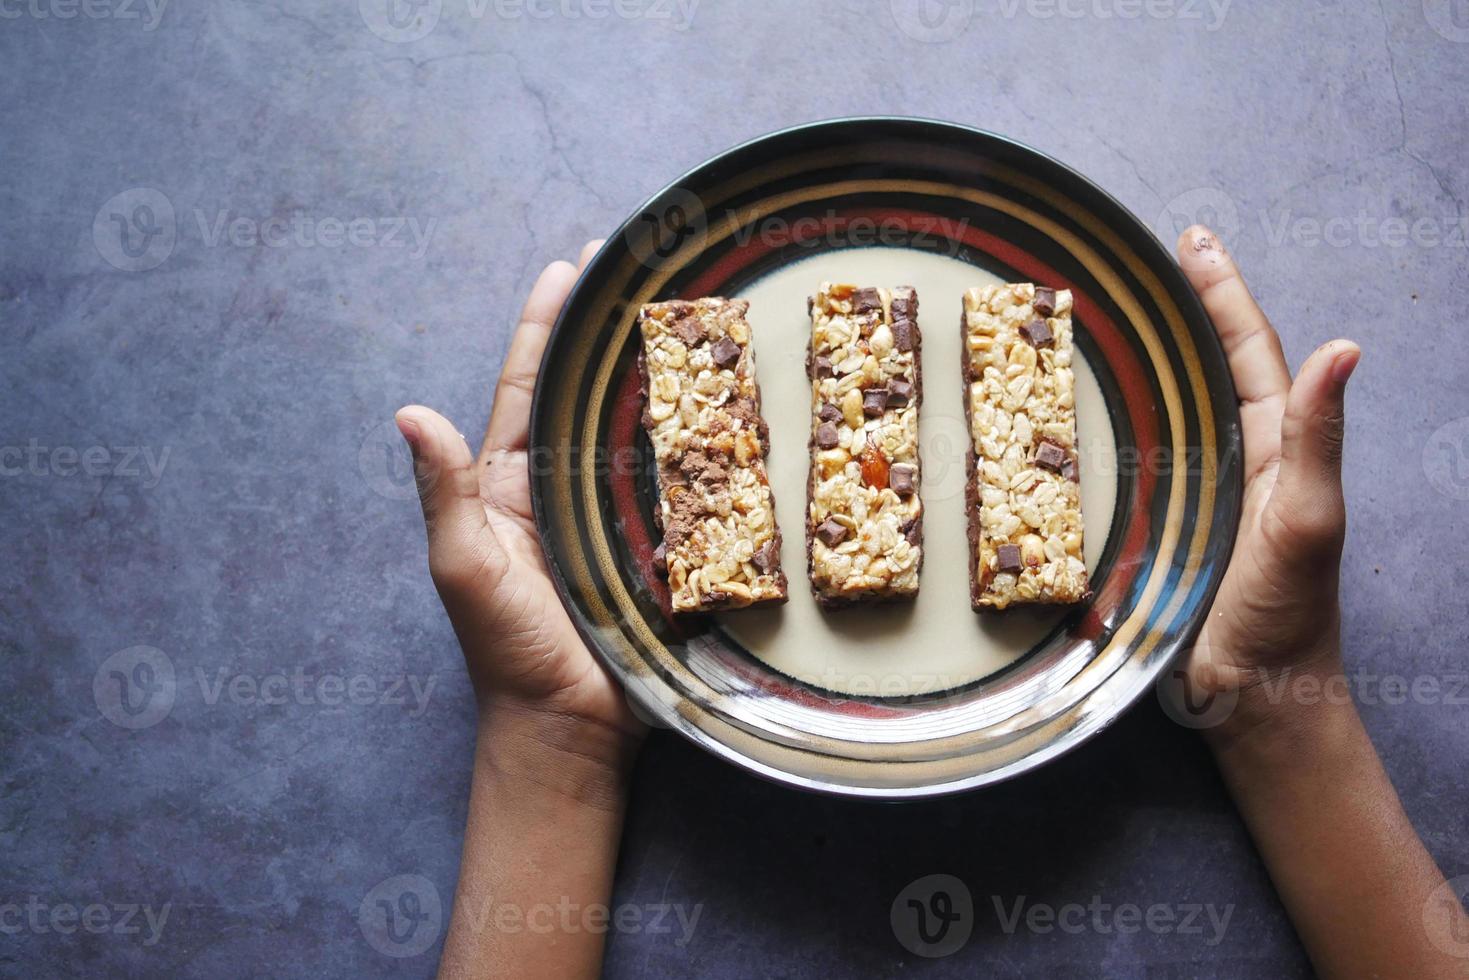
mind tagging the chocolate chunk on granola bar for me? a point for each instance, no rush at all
(900, 478)
(831, 532)
(1037, 334)
(689, 330)
(905, 332)
(1044, 302)
(866, 300)
(1050, 456)
(725, 352)
(1007, 558)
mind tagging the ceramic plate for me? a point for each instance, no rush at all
(926, 698)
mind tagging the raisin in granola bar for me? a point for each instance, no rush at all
(721, 545)
(1023, 495)
(864, 518)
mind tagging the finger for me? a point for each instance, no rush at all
(522, 362)
(1256, 360)
(510, 418)
(461, 544)
(589, 251)
(1255, 356)
(1307, 499)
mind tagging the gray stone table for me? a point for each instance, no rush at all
(334, 209)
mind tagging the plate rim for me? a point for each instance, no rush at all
(1229, 500)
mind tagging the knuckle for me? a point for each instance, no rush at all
(1333, 436)
(448, 573)
(461, 568)
(516, 380)
(1322, 435)
(1315, 528)
(1325, 535)
(426, 477)
(1294, 422)
(1271, 338)
(440, 485)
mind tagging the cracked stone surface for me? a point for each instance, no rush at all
(202, 492)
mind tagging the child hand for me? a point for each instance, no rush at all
(527, 662)
(1276, 609)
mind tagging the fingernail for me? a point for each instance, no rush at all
(1344, 365)
(411, 433)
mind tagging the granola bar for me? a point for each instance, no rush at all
(721, 545)
(864, 518)
(1023, 494)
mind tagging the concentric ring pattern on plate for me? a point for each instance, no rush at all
(1003, 208)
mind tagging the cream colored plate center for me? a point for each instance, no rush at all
(937, 642)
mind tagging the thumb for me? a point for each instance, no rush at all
(460, 543)
(1307, 497)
